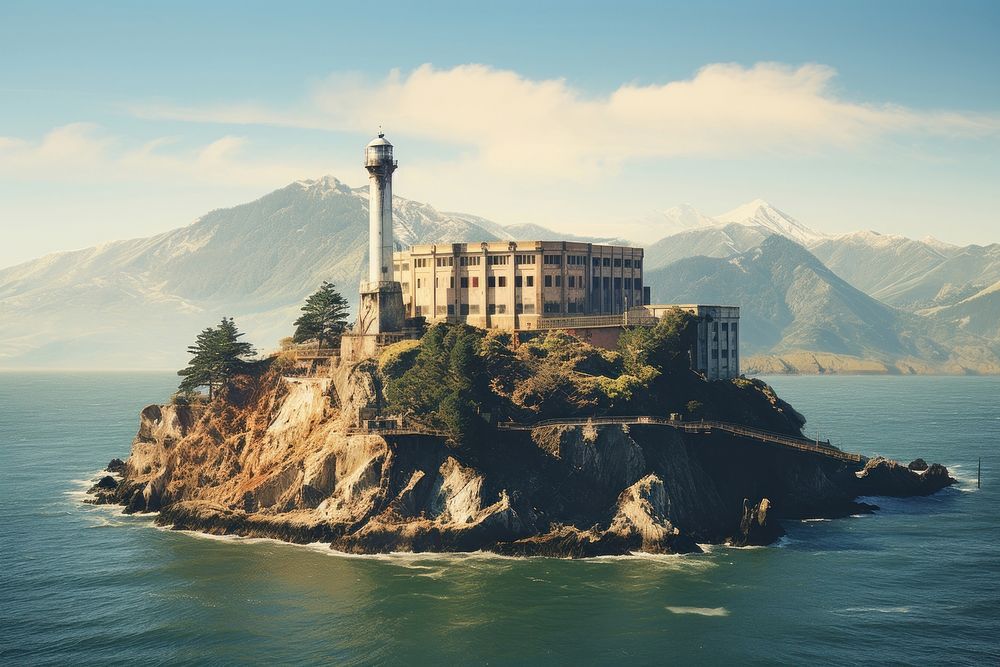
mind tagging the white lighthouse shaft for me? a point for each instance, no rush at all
(380, 223)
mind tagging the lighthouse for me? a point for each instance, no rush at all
(381, 308)
(380, 165)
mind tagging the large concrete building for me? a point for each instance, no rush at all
(589, 290)
(518, 285)
(717, 351)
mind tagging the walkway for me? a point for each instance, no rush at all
(813, 446)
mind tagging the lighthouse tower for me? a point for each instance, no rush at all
(381, 309)
(380, 165)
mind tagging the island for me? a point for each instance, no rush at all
(474, 440)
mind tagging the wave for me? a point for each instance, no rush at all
(699, 611)
(877, 610)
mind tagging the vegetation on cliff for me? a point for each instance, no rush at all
(217, 356)
(460, 379)
(324, 317)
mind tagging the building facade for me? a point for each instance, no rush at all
(717, 353)
(517, 285)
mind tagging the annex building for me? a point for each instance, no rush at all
(717, 350)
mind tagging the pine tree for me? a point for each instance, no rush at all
(217, 355)
(324, 317)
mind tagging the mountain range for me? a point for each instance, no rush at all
(860, 301)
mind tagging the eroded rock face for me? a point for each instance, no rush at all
(885, 477)
(282, 461)
(756, 528)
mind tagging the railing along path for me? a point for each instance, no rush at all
(696, 427)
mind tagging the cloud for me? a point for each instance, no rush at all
(515, 126)
(86, 153)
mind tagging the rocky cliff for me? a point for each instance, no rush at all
(281, 458)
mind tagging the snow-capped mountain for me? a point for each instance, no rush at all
(137, 303)
(759, 213)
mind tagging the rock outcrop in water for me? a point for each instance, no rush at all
(282, 459)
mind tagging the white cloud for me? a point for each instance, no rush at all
(86, 153)
(518, 127)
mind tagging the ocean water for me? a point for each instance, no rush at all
(917, 583)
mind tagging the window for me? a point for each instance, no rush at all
(576, 260)
(558, 281)
(638, 263)
(451, 282)
(464, 282)
(446, 261)
(469, 261)
(572, 306)
(420, 263)
(618, 262)
(725, 327)
(595, 283)
(597, 261)
(725, 354)
(628, 283)
(628, 263)
(554, 260)
(418, 283)
(734, 330)
(618, 284)
(406, 287)
(473, 309)
(497, 308)
(406, 266)
(436, 282)
(491, 281)
(501, 281)
(451, 309)
(551, 306)
(529, 281)
(605, 261)
(442, 310)
(548, 281)
(498, 260)
(475, 281)
(606, 282)
(524, 259)
(395, 267)
(637, 283)
(715, 354)
(517, 281)
(463, 309)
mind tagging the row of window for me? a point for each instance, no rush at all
(503, 260)
(492, 260)
(465, 282)
(473, 309)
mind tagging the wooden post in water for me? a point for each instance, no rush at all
(979, 474)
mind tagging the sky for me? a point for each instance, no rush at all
(122, 120)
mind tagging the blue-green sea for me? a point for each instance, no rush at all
(917, 583)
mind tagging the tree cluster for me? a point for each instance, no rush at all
(458, 375)
(217, 355)
(324, 317)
